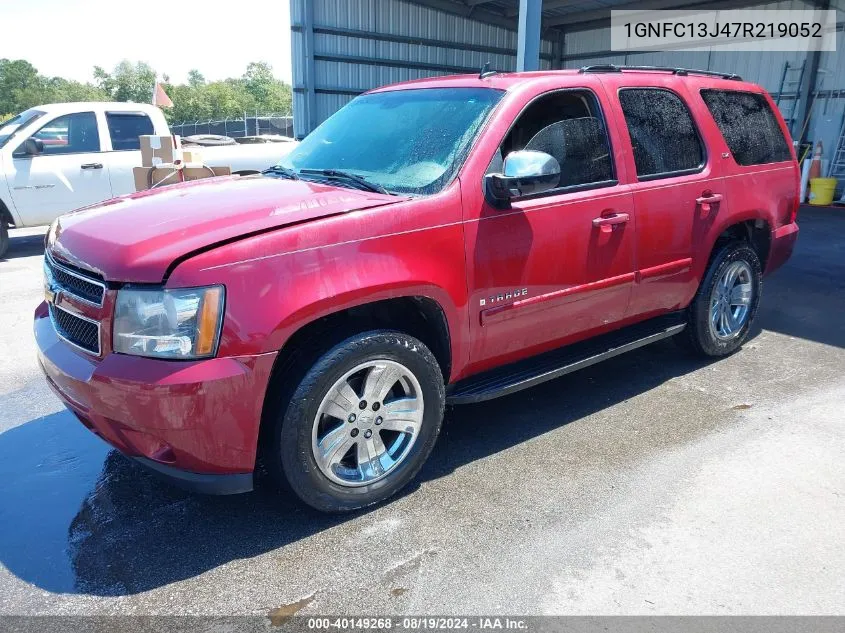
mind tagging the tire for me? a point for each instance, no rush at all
(4, 238)
(309, 423)
(706, 333)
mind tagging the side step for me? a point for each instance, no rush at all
(550, 365)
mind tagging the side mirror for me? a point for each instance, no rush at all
(525, 172)
(32, 147)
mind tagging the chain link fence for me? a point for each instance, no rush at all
(247, 125)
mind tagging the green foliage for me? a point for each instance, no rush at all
(127, 82)
(257, 90)
(22, 87)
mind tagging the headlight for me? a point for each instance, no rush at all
(182, 323)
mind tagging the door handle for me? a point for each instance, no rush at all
(606, 222)
(92, 166)
(708, 198)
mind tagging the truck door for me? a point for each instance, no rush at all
(677, 185)
(69, 172)
(559, 265)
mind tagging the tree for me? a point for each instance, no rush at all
(195, 79)
(127, 82)
(21, 86)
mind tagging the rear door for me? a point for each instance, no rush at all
(759, 166)
(676, 182)
(70, 173)
(124, 130)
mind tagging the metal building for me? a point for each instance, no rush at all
(344, 47)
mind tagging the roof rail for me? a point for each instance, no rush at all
(681, 72)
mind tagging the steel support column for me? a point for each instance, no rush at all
(310, 79)
(528, 36)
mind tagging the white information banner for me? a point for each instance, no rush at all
(744, 30)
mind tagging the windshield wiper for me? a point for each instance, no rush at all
(284, 172)
(345, 175)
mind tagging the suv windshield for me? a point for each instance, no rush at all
(406, 141)
(8, 128)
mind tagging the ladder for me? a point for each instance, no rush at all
(790, 85)
(837, 165)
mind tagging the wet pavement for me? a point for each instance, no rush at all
(652, 483)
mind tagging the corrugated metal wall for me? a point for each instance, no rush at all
(583, 48)
(363, 44)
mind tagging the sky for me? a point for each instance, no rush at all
(67, 38)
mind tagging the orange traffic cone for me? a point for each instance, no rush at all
(816, 163)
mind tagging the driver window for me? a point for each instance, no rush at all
(569, 126)
(70, 134)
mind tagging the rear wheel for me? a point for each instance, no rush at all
(361, 423)
(722, 313)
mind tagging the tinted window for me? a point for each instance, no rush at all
(748, 125)
(569, 126)
(70, 134)
(663, 134)
(125, 128)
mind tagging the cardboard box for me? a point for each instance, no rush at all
(145, 177)
(159, 150)
(192, 157)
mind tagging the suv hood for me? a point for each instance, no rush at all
(137, 237)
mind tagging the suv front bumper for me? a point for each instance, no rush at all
(195, 422)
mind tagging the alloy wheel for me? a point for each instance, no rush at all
(367, 423)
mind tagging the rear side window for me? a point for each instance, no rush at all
(663, 135)
(125, 128)
(748, 125)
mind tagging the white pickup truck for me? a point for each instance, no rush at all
(59, 157)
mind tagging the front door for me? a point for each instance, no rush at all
(68, 174)
(557, 266)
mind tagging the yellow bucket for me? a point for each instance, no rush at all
(821, 191)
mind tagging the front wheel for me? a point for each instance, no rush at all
(4, 237)
(361, 423)
(726, 303)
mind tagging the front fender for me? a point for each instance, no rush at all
(273, 289)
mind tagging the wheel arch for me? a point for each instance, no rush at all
(417, 315)
(6, 214)
(753, 228)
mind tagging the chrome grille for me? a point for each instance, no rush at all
(73, 283)
(76, 330)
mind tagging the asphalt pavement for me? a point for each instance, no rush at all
(654, 483)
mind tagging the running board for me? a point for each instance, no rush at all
(550, 365)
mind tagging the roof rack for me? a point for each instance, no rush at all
(681, 72)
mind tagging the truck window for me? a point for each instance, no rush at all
(568, 125)
(748, 126)
(126, 127)
(70, 134)
(663, 135)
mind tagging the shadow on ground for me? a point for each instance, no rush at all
(804, 298)
(24, 245)
(78, 518)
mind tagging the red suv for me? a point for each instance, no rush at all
(435, 242)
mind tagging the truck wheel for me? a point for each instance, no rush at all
(360, 424)
(725, 305)
(4, 238)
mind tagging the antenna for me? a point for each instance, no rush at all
(486, 72)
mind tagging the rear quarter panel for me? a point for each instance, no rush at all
(279, 281)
